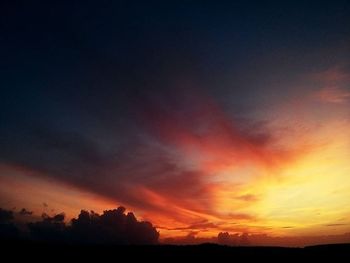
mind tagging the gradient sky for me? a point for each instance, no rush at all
(200, 116)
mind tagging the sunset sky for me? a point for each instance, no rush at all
(200, 116)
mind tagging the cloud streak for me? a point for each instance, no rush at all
(333, 94)
(334, 86)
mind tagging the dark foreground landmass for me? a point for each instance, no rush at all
(31, 251)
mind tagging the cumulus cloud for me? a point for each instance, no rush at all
(111, 227)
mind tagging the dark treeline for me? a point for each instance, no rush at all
(111, 227)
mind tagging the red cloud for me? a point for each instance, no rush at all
(205, 134)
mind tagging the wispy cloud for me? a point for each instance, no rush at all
(333, 94)
(333, 86)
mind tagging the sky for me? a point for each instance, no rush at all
(199, 116)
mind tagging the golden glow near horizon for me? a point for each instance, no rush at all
(307, 195)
